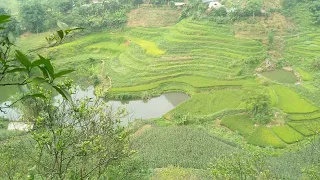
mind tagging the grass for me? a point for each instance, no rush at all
(304, 75)
(273, 96)
(306, 128)
(239, 123)
(287, 134)
(302, 117)
(209, 102)
(106, 46)
(179, 146)
(5, 134)
(150, 47)
(195, 81)
(291, 102)
(302, 50)
(265, 137)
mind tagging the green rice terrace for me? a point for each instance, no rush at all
(249, 83)
(203, 60)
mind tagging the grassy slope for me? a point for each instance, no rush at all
(287, 134)
(291, 102)
(210, 102)
(239, 123)
(264, 136)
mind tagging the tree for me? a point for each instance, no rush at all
(257, 102)
(33, 16)
(21, 70)
(9, 27)
(78, 141)
(253, 7)
(315, 9)
(72, 140)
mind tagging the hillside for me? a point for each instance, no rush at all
(251, 77)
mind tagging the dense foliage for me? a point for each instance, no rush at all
(39, 16)
(67, 139)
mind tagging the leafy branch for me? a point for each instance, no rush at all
(22, 64)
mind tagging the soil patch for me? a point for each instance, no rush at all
(260, 26)
(153, 17)
(141, 130)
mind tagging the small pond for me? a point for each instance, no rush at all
(137, 109)
(281, 76)
(153, 108)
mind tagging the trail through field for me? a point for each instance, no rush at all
(141, 130)
(106, 82)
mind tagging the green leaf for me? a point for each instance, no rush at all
(47, 64)
(74, 29)
(2, 61)
(23, 59)
(4, 19)
(17, 70)
(63, 72)
(41, 61)
(35, 96)
(45, 72)
(63, 93)
(38, 80)
(61, 34)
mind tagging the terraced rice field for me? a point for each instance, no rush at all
(303, 121)
(302, 49)
(204, 60)
(186, 49)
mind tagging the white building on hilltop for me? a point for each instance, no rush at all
(213, 4)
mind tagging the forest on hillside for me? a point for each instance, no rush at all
(159, 89)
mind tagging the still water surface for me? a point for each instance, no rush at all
(281, 76)
(137, 109)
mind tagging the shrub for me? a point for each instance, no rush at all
(96, 80)
(2, 126)
(257, 102)
(181, 119)
(280, 63)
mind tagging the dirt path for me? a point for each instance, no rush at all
(105, 81)
(141, 130)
